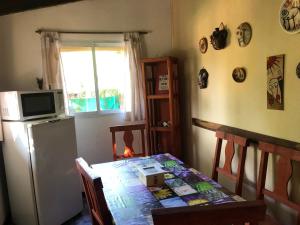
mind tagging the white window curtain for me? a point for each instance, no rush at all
(133, 51)
(51, 62)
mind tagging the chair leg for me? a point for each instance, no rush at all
(94, 221)
(214, 175)
(241, 169)
(262, 175)
(114, 147)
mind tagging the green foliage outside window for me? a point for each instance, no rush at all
(110, 99)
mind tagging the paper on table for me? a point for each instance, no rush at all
(163, 193)
(173, 202)
(238, 198)
(184, 190)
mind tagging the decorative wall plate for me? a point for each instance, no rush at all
(203, 78)
(218, 38)
(239, 74)
(203, 45)
(244, 34)
(289, 16)
(298, 71)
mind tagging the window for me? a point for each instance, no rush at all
(96, 77)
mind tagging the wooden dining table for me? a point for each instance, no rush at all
(131, 202)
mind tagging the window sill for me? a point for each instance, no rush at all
(98, 114)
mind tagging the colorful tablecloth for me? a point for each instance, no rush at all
(130, 202)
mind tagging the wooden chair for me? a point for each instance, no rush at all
(229, 153)
(225, 214)
(128, 140)
(283, 174)
(92, 183)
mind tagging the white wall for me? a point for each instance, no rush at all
(3, 193)
(20, 58)
(241, 105)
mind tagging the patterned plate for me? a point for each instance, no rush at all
(203, 45)
(290, 16)
(298, 71)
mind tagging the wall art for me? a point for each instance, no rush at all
(239, 74)
(203, 45)
(275, 81)
(290, 16)
(298, 70)
(244, 34)
(203, 78)
(218, 38)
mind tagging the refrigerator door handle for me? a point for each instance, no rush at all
(54, 121)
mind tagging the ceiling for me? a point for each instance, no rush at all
(12, 6)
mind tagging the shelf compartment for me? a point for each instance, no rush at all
(161, 129)
(158, 96)
(159, 60)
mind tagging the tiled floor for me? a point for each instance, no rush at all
(83, 218)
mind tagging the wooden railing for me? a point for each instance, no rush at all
(253, 137)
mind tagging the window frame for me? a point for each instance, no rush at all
(93, 45)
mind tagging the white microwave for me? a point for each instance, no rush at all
(28, 105)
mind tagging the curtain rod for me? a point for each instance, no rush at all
(39, 31)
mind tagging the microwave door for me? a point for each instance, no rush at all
(37, 104)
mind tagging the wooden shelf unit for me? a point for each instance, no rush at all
(162, 105)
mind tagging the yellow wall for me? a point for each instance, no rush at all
(242, 105)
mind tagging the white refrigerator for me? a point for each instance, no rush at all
(43, 184)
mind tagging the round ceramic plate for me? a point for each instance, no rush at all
(203, 45)
(239, 74)
(298, 70)
(244, 34)
(203, 78)
(289, 16)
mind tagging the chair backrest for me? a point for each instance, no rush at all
(128, 140)
(236, 213)
(232, 140)
(283, 174)
(92, 183)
